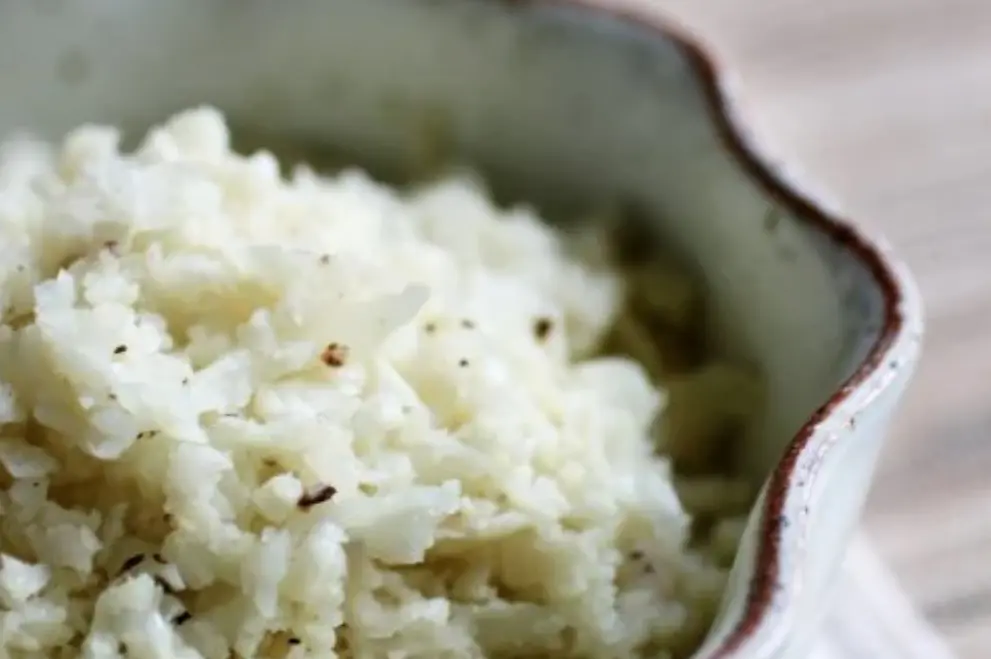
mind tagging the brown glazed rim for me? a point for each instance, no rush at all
(763, 583)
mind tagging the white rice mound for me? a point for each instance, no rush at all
(245, 415)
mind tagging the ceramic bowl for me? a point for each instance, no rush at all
(567, 104)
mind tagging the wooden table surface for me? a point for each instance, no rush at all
(887, 104)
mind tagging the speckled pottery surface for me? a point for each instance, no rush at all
(570, 105)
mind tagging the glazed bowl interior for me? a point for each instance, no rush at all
(555, 104)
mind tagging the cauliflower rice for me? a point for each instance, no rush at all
(247, 415)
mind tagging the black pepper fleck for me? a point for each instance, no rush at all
(317, 496)
(463, 363)
(542, 328)
(335, 354)
(120, 350)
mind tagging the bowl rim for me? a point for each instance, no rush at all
(896, 347)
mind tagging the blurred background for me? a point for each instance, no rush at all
(886, 104)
